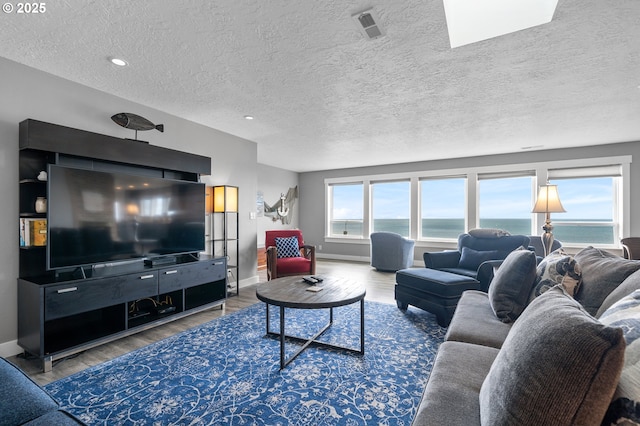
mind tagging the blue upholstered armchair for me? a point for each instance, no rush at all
(391, 252)
(476, 256)
(535, 244)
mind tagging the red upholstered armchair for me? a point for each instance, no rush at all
(298, 262)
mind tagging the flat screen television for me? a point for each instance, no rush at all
(99, 217)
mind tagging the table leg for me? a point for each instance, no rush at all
(362, 326)
(313, 340)
(282, 360)
(267, 317)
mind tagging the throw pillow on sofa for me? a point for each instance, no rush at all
(557, 268)
(558, 366)
(488, 233)
(287, 246)
(602, 272)
(628, 286)
(471, 259)
(510, 288)
(625, 406)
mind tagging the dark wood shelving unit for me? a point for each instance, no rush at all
(62, 313)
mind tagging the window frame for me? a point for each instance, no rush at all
(372, 185)
(329, 211)
(540, 172)
(615, 171)
(418, 234)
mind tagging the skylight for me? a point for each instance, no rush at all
(469, 21)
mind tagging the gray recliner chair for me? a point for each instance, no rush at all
(391, 252)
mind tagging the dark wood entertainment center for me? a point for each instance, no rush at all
(63, 312)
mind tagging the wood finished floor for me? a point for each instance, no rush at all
(379, 287)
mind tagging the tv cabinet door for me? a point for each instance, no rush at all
(190, 275)
(82, 296)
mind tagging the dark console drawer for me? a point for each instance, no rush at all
(83, 296)
(190, 275)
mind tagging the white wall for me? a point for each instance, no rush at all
(313, 216)
(272, 182)
(29, 93)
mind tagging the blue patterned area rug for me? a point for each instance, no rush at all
(227, 372)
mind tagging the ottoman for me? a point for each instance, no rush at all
(434, 291)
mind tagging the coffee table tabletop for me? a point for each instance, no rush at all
(292, 292)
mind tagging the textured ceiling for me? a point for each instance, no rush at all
(323, 97)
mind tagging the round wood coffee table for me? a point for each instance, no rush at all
(292, 292)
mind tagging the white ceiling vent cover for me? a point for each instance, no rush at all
(367, 23)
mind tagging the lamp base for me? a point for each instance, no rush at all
(547, 237)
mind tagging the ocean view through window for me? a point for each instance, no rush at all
(346, 209)
(444, 206)
(390, 205)
(505, 203)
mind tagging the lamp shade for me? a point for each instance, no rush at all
(548, 200)
(225, 199)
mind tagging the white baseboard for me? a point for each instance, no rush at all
(364, 259)
(249, 281)
(10, 348)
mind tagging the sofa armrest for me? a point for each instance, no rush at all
(486, 271)
(308, 251)
(272, 256)
(441, 259)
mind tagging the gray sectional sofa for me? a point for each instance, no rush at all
(550, 343)
(23, 402)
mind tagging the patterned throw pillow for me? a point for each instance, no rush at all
(287, 247)
(557, 268)
(625, 405)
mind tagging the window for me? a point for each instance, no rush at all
(589, 196)
(442, 207)
(390, 202)
(435, 206)
(346, 215)
(505, 202)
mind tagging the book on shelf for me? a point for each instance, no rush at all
(33, 232)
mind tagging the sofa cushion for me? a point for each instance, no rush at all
(471, 259)
(451, 395)
(625, 406)
(293, 266)
(21, 399)
(557, 268)
(628, 286)
(602, 272)
(57, 418)
(287, 247)
(475, 322)
(509, 290)
(557, 366)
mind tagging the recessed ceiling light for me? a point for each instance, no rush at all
(248, 117)
(119, 62)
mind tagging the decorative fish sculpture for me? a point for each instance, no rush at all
(135, 122)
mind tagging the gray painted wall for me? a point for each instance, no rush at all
(272, 182)
(28, 93)
(312, 218)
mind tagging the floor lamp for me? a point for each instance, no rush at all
(548, 202)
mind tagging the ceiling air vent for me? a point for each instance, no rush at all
(367, 24)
